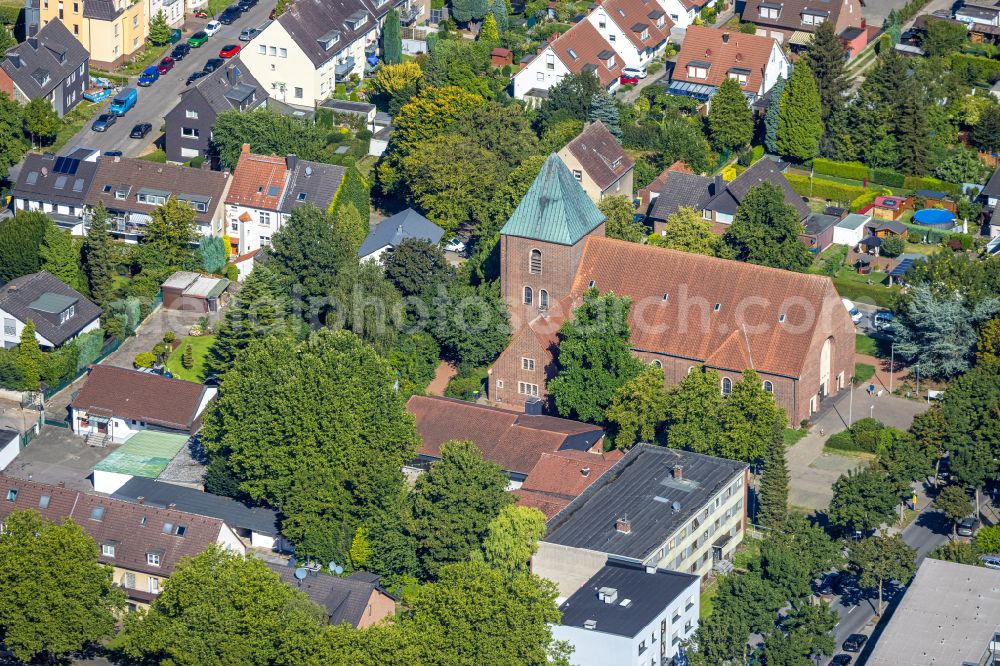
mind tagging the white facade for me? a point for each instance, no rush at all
(678, 13)
(9, 450)
(10, 334)
(172, 9)
(545, 71)
(254, 233)
(21, 203)
(109, 482)
(851, 229)
(119, 429)
(619, 41)
(675, 623)
(777, 68)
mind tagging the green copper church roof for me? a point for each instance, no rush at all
(555, 209)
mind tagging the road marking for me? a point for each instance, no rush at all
(853, 608)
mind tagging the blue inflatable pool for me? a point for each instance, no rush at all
(935, 217)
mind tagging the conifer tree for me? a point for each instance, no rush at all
(800, 127)
(29, 357)
(825, 59)
(392, 40)
(774, 482)
(730, 121)
(97, 260)
(61, 257)
(604, 108)
(489, 32)
(499, 11)
(772, 117)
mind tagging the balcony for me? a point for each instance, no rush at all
(344, 67)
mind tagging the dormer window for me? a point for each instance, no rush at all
(67, 314)
(607, 56)
(740, 74)
(153, 559)
(645, 34)
(660, 22)
(698, 69)
(810, 18)
(108, 549)
(328, 40)
(769, 10)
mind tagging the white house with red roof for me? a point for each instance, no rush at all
(637, 29)
(579, 49)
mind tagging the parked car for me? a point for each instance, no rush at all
(213, 64)
(123, 101)
(166, 65)
(248, 33)
(149, 76)
(990, 561)
(455, 245)
(246, 5)
(103, 122)
(882, 319)
(180, 51)
(113, 153)
(270, 17)
(140, 131)
(841, 660)
(212, 27)
(635, 72)
(830, 583)
(197, 39)
(628, 80)
(201, 13)
(194, 77)
(230, 15)
(229, 50)
(855, 642)
(853, 311)
(967, 526)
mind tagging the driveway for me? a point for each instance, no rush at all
(156, 100)
(814, 472)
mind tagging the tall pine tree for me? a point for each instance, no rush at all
(772, 117)
(499, 11)
(61, 257)
(489, 32)
(392, 40)
(773, 492)
(603, 107)
(825, 57)
(97, 260)
(800, 126)
(730, 121)
(911, 132)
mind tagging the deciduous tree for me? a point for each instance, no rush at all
(747, 420)
(20, 241)
(61, 257)
(620, 221)
(639, 408)
(416, 264)
(12, 143)
(765, 231)
(55, 597)
(693, 412)
(685, 230)
(512, 538)
(863, 501)
(954, 503)
(171, 232)
(41, 120)
(882, 559)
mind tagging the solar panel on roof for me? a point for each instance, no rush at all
(59, 164)
(66, 165)
(272, 190)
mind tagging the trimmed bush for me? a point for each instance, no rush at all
(824, 189)
(975, 69)
(758, 151)
(842, 441)
(852, 170)
(888, 177)
(917, 183)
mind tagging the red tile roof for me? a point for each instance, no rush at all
(702, 44)
(513, 440)
(773, 312)
(259, 180)
(586, 44)
(634, 16)
(568, 472)
(130, 394)
(600, 155)
(548, 504)
(133, 529)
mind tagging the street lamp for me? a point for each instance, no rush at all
(850, 408)
(872, 412)
(892, 364)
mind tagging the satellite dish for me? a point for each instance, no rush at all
(332, 566)
(339, 570)
(676, 506)
(301, 573)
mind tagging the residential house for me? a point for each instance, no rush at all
(657, 507)
(948, 615)
(265, 189)
(579, 49)
(59, 312)
(388, 233)
(680, 189)
(683, 13)
(57, 186)
(709, 56)
(978, 14)
(110, 30)
(193, 292)
(854, 39)
(116, 403)
(345, 109)
(173, 10)
(131, 189)
(188, 126)
(548, 460)
(629, 615)
(637, 29)
(991, 191)
(358, 600)
(818, 230)
(256, 526)
(794, 21)
(688, 310)
(52, 65)
(10, 446)
(597, 161)
(303, 55)
(143, 544)
(851, 229)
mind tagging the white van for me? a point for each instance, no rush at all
(855, 313)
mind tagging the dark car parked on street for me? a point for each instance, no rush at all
(855, 642)
(230, 15)
(194, 77)
(213, 64)
(140, 131)
(103, 122)
(180, 51)
(841, 660)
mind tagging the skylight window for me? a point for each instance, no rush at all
(43, 502)
(97, 513)
(11, 495)
(301, 197)
(168, 528)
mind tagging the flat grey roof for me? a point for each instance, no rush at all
(948, 616)
(642, 487)
(853, 221)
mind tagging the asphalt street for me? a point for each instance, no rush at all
(156, 100)
(929, 530)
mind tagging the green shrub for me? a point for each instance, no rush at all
(841, 441)
(9, 14)
(975, 70)
(988, 540)
(893, 246)
(758, 151)
(144, 360)
(888, 177)
(467, 384)
(852, 170)
(918, 183)
(232, 273)
(867, 434)
(824, 189)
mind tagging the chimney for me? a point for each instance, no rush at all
(533, 407)
(719, 184)
(608, 595)
(45, 172)
(623, 525)
(585, 472)
(245, 148)
(62, 484)
(678, 472)
(140, 499)
(291, 161)
(725, 38)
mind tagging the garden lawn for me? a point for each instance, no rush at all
(792, 435)
(854, 286)
(199, 348)
(863, 372)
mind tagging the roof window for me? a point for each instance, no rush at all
(43, 502)
(11, 494)
(718, 306)
(97, 513)
(168, 528)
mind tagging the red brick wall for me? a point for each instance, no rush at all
(508, 369)
(6, 84)
(559, 265)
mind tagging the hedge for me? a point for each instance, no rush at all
(824, 189)
(888, 177)
(917, 183)
(842, 441)
(852, 170)
(976, 69)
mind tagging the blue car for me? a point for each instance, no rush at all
(149, 76)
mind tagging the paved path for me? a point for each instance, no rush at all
(442, 375)
(813, 473)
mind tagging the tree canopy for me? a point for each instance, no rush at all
(765, 231)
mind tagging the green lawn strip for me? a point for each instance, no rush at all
(155, 156)
(792, 435)
(864, 344)
(706, 600)
(863, 372)
(72, 123)
(149, 55)
(199, 349)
